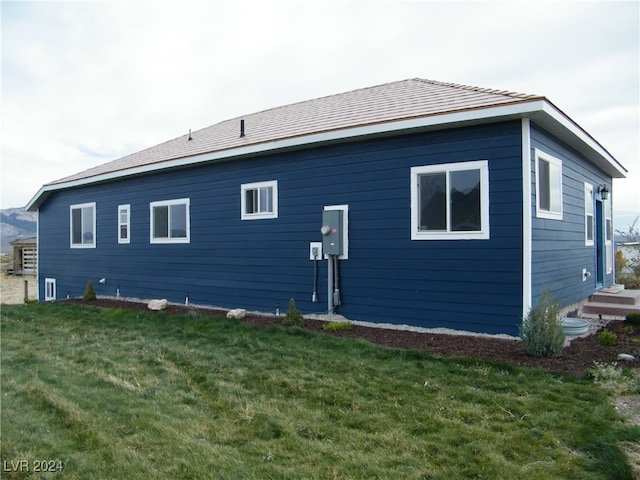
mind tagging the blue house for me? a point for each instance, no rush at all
(415, 202)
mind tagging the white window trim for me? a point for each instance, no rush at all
(168, 203)
(254, 186)
(540, 213)
(95, 233)
(49, 283)
(608, 237)
(588, 197)
(483, 233)
(126, 208)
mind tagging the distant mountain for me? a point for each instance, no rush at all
(14, 223)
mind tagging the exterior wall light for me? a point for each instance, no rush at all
(603, 191)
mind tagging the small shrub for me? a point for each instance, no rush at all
(89, 292)
(634, 318)
(293, 317)
(607, 338)
(630, 282)
(337, 326)
(612, 379)
(541, 333)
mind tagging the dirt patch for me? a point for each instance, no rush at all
(576, 359)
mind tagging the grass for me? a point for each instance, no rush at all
(120, 394)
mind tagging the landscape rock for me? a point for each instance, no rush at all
(157, 304)
(237, 313)
(626, 357)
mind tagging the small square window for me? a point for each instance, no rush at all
(259, 200)
(170, 221)
(549, 186)
(83, 225)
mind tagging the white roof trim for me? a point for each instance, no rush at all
(583, 136)
(479, 115)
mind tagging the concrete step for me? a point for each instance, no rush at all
(622, 297)
(609, 309)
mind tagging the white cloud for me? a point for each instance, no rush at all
(87, 82)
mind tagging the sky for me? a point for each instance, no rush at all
(87, 82)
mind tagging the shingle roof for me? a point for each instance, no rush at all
(390, 102)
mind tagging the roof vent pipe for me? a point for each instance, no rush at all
(190, 138)
(241, 128)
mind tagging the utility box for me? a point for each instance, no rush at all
(332, 234)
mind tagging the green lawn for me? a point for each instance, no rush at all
(125, 395)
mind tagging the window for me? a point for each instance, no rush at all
(549, 186)
(49, 289)
(169, 221)
(450, 201)
(83, 225)
(589, 224)
(259, 200)
(124, 218)
(608, 237)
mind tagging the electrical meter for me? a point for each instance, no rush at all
(332, 235)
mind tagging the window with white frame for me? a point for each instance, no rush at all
(450, 201)
(549, 186)
(83, 225)
(169, 221)
(49, 289)
(259, 200)
(589, 223)
(124, 220)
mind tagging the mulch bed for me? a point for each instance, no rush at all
(576, 359)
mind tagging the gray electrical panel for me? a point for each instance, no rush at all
(332, 234)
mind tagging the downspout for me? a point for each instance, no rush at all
(38, 297)
(526, 218)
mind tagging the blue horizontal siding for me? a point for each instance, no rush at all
(559, 251)
(259, 264)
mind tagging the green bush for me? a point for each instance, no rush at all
(607, 338)
(293, 317)
(634, 318)
(337, 326)
(541, 333)
(89, 292)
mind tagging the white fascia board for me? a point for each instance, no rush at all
(518, 110)
(32, 205)
(558, 116)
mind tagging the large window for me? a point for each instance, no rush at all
(589, 224)
(549, 186)
(450, 201)
(124, 220)
(259, 200)
(83, 225)
(170, 221)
